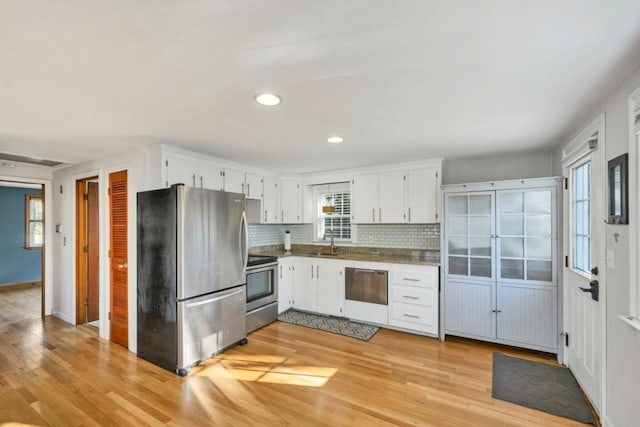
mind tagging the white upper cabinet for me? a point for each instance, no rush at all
(210, 175)
(234, 181)
(290, 200)
(270, 201)
(192, 172)
(391, 209)
(422, 195)
(365, 198)
(180, 170)
(253, 186)
(397, 196)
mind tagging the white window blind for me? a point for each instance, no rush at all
(338, 222)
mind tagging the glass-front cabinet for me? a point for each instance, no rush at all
(500, 252)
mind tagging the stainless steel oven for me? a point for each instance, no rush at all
(262, 291)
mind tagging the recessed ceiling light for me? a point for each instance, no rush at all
(335, 139)
(268, 99)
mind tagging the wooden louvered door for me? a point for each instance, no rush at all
(118, 315)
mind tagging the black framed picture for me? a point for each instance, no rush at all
(619, 190)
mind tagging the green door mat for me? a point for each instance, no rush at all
(547, 388)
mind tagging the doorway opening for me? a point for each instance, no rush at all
(87, 252)
(21, 251)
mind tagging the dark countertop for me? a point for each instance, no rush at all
(351, 253)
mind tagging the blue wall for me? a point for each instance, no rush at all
(16, 263)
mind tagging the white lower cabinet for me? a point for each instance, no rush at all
(413, 298)
(285, 284)
(304, 284)
(330, 287)
(468, 309)
(318, 285)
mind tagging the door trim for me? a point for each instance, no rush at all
(46, 254)
(574, 151)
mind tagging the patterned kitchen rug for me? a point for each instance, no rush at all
(335, 325)
(541, 386)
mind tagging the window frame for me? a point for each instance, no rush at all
(319, 193)
(572, 232)
(28, 244)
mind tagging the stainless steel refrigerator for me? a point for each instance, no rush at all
(192, 254)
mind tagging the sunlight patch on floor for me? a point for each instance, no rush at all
(265, 369)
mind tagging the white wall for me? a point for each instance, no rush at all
(136, 162)
(509, 166)
(23, 172)
(623, 345)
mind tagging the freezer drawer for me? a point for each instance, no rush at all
(209, 324)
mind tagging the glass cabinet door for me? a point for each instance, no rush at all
(469, 229)
(525, 234)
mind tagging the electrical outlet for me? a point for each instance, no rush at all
(370, 239)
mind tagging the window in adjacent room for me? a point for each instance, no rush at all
(34, 230)
(333, 212)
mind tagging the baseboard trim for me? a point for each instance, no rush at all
(20, 285)
(63, 317)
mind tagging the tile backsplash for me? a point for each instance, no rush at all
(407, 236)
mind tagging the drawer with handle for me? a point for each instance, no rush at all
(412, 317)
(412, 295)
(426, 277)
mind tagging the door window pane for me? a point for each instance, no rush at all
(480, 267)
(538, 201)
(511, 225)
(457, 205)
(539, 247)
(458, 225)
(539, 225)
(581, 217)
(512, 247)
(511, 203)
(512, 269)
(458, 265)
(480, 246)
(539, 270)
(480, 225)
(458, 245)
(480, 205)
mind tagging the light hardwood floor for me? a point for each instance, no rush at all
(20, 303)
(57, 374)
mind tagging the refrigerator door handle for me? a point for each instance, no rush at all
(218, 296)
(244, 241)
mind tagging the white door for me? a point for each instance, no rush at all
(583, 319)
(234, 181)
(270, 201)
(290, 207)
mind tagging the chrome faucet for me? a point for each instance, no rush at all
(332, 248)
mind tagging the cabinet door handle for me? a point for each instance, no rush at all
(194, 179)
(317, 271)
(409, 219)
(380, 214)
(408, 279)
(282, 216)
(248, 190)
(281, 272)
(373, 212)
(242, 186)
(201, 182)
(411, 316)
(265, 215)
(496, 311)
(410, 297)
(312, 271)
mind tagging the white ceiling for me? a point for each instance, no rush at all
(400, 80)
